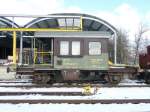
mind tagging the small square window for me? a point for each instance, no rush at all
(69, 22)
(77, 22)
(62, 22)
(94, 48)
(75, 48)
(64, 47)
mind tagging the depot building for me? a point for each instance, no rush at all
(30, 39)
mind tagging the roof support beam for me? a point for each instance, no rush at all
(57, 24)
(14, 47)
(21, 48)
(90, 26)
(108, 29)
(48, 25)
(115, 48)
(37, 25)
(40, 29)
(100, 26)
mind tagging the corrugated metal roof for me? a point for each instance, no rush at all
(6, 23)
(69, 20)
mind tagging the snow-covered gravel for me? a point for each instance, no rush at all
(15, 81)
(75, 108)
(130, 82)
(103, 93)
(15, 84)
(52, 89)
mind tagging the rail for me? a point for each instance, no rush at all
(77, 101)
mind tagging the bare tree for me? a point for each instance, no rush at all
(122, 46)
(138, 40)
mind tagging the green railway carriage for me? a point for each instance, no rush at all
(76, 48)
(79, 50)
(62, 47)
(78, 55)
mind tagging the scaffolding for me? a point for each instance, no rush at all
(39, 56)
(93, 23)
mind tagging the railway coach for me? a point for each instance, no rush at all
(76, 48)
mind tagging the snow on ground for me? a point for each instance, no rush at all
(103, 93)
(130, 82)
(6, 76)
(15, 84)
(75, 108)
(52, 89)
(15, 81)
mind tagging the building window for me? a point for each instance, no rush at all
(64, 47)
(94, 48)
(75, 48)
(69, 22)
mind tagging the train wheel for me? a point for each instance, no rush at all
(45, 79)
(41, 78)
(114, 79)
(107, 78)
(147, 78)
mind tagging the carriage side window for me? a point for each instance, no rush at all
(75, 48)
(64, 47)
(94, 48)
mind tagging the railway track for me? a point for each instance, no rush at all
(41, 93)
(78, 101)
(15, 82)
(30, 85)
(60, 101)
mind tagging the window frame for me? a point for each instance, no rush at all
(60, 48)
(70, 48)
(89, 48)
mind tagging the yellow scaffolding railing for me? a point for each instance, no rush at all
(14, 30)
(40, 58)
(40, 29)
(14, 47)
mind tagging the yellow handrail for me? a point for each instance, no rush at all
(40, 29)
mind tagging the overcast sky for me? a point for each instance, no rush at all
(126, 14)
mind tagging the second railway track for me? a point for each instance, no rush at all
(26, 85)
(77, 101)
(41, 93)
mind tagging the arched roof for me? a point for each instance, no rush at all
(72, 20)
(6, 23)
